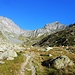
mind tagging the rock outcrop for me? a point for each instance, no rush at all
(8, 25)
(62, 62)
(9, 55)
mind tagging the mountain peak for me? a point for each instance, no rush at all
(8, 25)
(54, 25)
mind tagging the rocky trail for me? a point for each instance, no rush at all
(28, 61)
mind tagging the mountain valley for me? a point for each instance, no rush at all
(46, 51)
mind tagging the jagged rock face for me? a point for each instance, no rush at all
(10, 30)
(49, 28)
(8, 25)
(54, 26)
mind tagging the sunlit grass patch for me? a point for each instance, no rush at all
(12, 67)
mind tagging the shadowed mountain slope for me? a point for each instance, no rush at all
(61, 38)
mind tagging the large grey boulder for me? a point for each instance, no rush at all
(9, 55)
(62, 62)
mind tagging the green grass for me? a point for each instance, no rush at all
(28, 72)
(11, 67)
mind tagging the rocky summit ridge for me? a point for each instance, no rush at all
(49, 28)
(9, 29)
(65, 37)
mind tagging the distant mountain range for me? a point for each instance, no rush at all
(12, 32)
(47, 29)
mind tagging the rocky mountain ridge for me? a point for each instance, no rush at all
(61, 38)
(12, 32)
(49, 28)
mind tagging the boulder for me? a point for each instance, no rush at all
(9, 55)
(10, 58)
(62, 62)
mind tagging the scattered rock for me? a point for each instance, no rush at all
(48, 48)
(50, 55)
(10, 58)
(1, 62)
(9, 55)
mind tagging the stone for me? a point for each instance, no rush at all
(1, 62)
(50, 55)
(62, 62)
(3, 55)
(10, 58)
(9, 55)
(48, 48)
(1, 50)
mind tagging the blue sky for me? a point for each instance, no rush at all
(34, 14)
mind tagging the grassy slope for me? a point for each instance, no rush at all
(11, 67)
